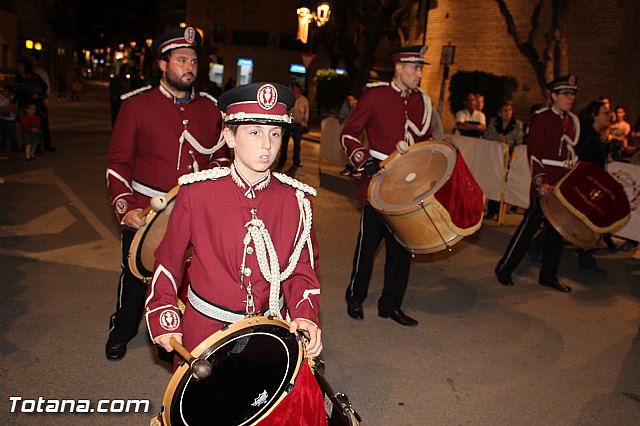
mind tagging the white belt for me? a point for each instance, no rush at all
(145, 190)
(214, 312)
(377, 154)
(556, 163)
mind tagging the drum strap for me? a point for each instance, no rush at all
(377, 154)
(146, 190)
(218, 313)
(556, 163)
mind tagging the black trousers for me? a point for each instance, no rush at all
(295, 131)
(551, 251)
(123, 325)
(396, 268)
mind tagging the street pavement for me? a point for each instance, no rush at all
(483, 354)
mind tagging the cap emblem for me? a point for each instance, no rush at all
(267, 96)
(190, 35)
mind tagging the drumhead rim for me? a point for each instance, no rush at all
(376, 181)
(142, 232)
(219, 338)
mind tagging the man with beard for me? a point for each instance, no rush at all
(160, 134)
(389, 112)
(553, 134)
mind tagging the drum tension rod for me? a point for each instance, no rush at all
(434, 226)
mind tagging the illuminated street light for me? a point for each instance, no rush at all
(28, 44)
(306, 16)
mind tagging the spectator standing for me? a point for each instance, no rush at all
(43, 111)
(299, 122)
(8, 138)
(469, 120)
(620, 129)
(118, 86)
(348, 105)
(506, 129)
(593, 119)
(30, 125)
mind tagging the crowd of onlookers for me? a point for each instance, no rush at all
(620, 138)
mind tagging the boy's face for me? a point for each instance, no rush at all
(256, 147)
(31, 109)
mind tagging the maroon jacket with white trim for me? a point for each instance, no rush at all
(210, 216)
(389, 115)
(145, 145)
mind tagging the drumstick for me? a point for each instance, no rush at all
(401, 148)
(200, 368)
(158, 203)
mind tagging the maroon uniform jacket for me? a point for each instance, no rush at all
(156, 140)
(212, 216)
(389, 115)
(551, 138)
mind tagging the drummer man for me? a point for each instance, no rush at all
(389, 112)
(161, 133)
(553, 134)
(254, 250)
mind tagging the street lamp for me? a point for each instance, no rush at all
(306, 16)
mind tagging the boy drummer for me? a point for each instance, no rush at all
(253, 248)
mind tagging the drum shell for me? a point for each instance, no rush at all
(419, 194)
(568, 225)
(141, 254)
(422, 228)
(585, 204)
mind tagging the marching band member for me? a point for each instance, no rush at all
(553, 134)
(389, 112)
(249, 229)
(253, 247)
(160, 134)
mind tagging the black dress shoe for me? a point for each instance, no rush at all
(399, 317)
(556, 285)
(115, 351)
(355, 310)
(503, 279)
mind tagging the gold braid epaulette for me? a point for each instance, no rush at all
(135, 92)
(209, 174)
(288, 180)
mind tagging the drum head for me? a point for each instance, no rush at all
(254, 365)
(148, 237)
(412, 177)
(567, 224)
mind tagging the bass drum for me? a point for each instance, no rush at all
(255, 363)
(586, 204)
(148, 237)
(428, 197)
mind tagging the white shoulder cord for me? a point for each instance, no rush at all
(195, 144)
(267, 256)
(570, 143)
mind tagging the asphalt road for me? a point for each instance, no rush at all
(483, 354)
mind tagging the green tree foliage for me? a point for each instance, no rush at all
(330, 88)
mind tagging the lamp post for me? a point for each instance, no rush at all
(306, 17)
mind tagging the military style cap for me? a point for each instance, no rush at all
(262, 103)
(565, 82)
(177, 38)
(409, 55)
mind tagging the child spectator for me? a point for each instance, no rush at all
(30, 125)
